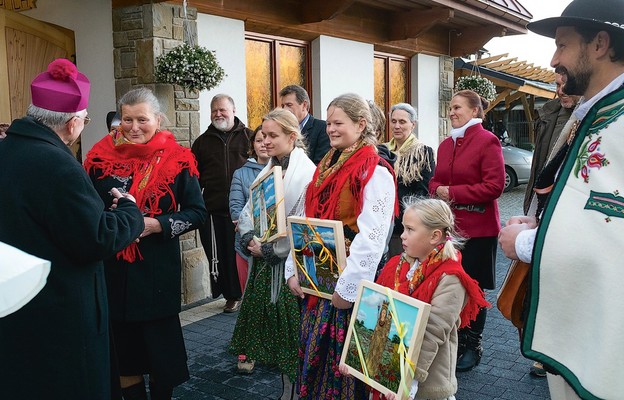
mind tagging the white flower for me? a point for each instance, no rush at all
(192, 67)
(480, 85)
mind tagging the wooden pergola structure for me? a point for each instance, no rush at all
(515, 81)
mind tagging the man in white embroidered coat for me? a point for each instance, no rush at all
(575, 320)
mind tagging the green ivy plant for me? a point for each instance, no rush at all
(478, 84)
(192, 67)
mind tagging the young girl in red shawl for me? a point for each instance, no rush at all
(430, 270)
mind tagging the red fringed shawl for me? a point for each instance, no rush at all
(323, 194)
(433, 268)
(153, 167)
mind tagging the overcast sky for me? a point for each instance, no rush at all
(531, 47)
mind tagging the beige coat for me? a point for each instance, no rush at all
(435, 370)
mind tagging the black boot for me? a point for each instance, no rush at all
(135, 392)
(158, 392)
(472, 353)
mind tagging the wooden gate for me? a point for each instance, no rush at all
(27, 46)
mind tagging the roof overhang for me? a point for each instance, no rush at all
(437, 27)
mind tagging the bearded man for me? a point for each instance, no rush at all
(219, 151)
(574, 319)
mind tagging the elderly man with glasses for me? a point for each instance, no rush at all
(57, 345)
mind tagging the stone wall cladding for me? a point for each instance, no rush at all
(446, 93)
(140, 35)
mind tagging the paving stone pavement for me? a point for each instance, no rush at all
(502, 374)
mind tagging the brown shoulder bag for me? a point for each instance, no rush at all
(512, 293)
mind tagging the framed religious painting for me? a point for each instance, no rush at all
(384, 338)
(318, 252)
(267, 202)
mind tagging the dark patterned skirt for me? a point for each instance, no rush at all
(267, 332)
(323, 331)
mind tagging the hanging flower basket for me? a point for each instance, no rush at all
(482, 86)
(192, 67)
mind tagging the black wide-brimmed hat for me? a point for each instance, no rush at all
(607, 15)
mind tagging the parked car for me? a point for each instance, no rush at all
(517, 165)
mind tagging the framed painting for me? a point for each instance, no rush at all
(319, 254)
(384, 338)
(267, 201)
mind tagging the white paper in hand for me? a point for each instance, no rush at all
(22, 276)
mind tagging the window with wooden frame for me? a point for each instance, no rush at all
(392, 82)
(272, 63)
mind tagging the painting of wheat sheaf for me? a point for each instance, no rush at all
(318, 252)
(386, 329)
(268, 211)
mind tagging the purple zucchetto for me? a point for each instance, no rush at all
(61, 88)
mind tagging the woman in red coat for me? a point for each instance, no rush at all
(470, 175)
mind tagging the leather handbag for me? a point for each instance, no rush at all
(512, 294)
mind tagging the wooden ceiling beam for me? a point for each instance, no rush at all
(536, 74)
(357, 20)
(512, 97)
(483, 61)
(470, 40)
(317, 11)
(512, 66)
(500, 97)
(498, 64)
(519, 69)
(536, 91)
(412, 24)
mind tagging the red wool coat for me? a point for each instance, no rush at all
(474, 170)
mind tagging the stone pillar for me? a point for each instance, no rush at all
(446, 93)
(140, 35)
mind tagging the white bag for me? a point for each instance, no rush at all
(22, 276)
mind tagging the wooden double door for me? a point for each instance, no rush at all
(27, 46)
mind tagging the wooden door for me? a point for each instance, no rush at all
(27, 46)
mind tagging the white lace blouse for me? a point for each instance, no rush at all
(369, 244)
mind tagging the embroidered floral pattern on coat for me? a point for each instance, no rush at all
(589, 156)
(178, 227)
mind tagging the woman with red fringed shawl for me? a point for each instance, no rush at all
(354, 185)
(143, 280)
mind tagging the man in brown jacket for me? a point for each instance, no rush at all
(219, 152)
(552, 118)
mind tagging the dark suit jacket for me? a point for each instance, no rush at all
(316, 139)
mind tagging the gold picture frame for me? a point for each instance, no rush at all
(386, 332)
(319, 254)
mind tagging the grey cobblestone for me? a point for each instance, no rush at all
(502, 374)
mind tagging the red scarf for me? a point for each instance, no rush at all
(354, 168)
(432, 269)
(153, 167)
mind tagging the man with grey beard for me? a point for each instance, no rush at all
(219, 152)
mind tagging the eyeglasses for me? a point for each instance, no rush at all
(86, 119)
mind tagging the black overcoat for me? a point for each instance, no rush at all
(149, 289)
(57, 346)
